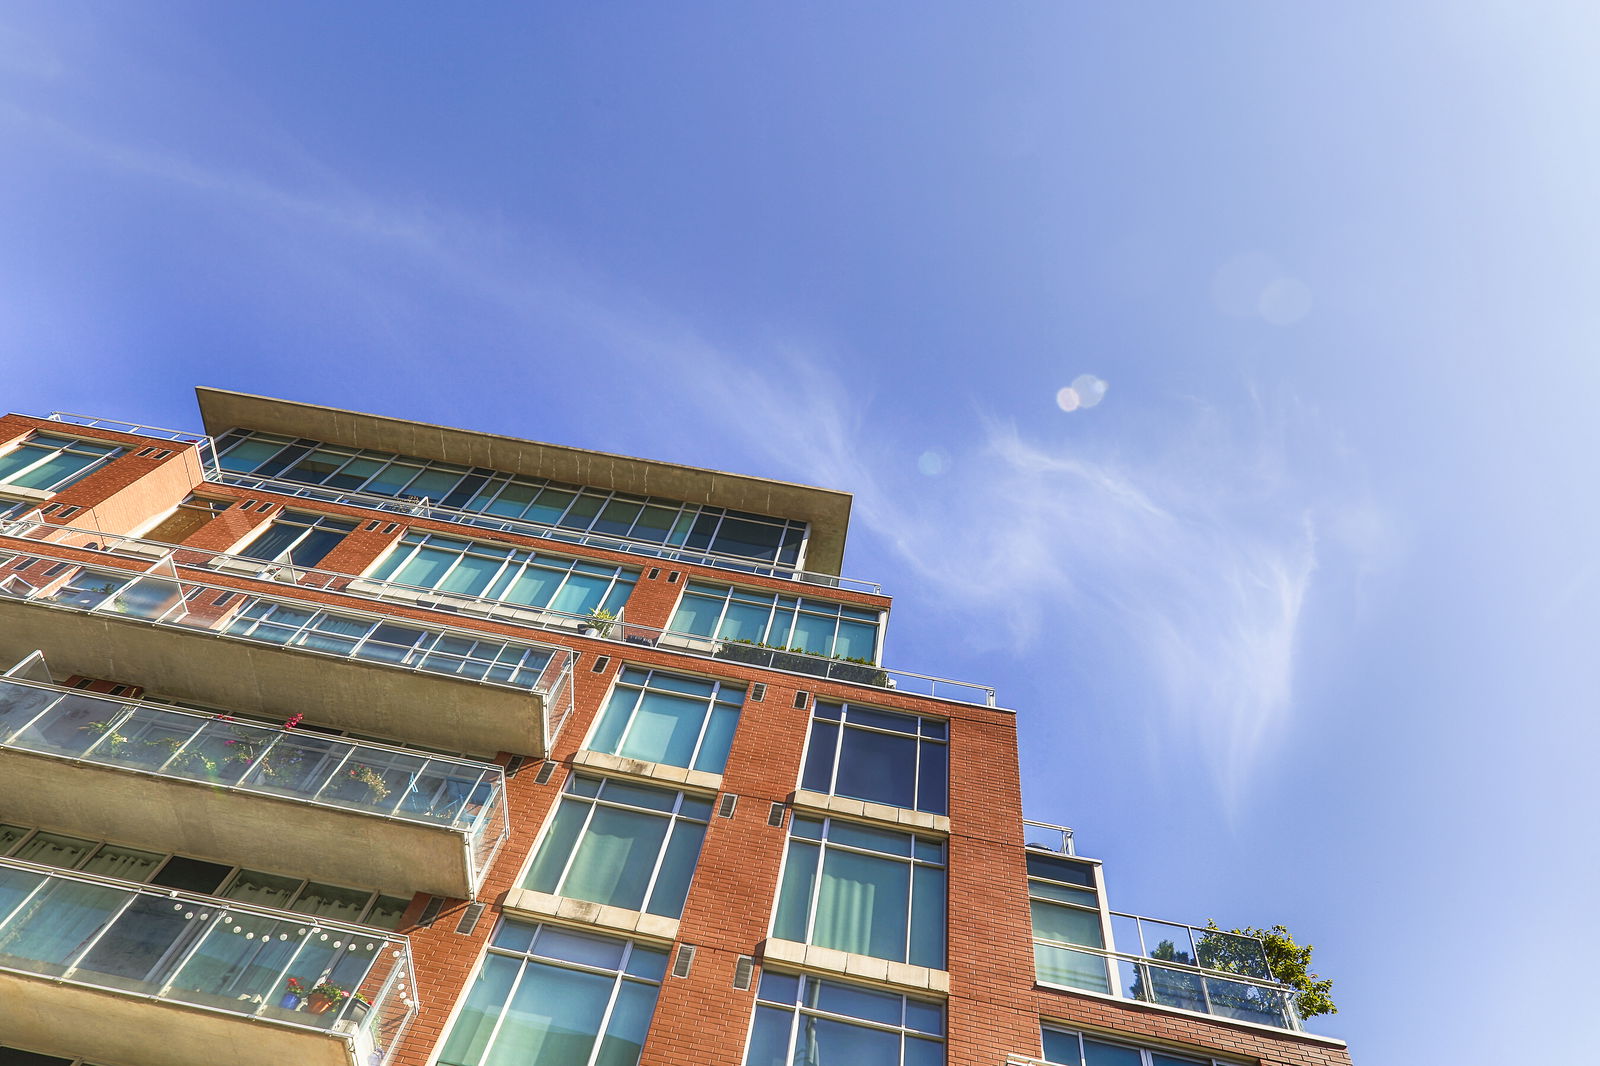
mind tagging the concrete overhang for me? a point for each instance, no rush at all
(234, 826)
(221, 670)
(59, 1018)
(827, 511)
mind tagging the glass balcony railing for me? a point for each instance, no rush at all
(460, 604)
(426, 508)
(456, 794)
(1207, 971)
(160, 596)
(272, 968)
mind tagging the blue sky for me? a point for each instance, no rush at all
(1299, 620)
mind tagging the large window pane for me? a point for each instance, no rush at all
(831, 1023)
(889, 905)
(529, 1006)
(659, 717)
(878, 756)
(621, 845)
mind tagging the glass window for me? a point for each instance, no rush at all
(506, 662)
(299, 538)
(816, 627)
(50, 463)
(829, 1023)
(515, 575)
(879, 756)
(661, 522)
(863, 890)
(622, 845)
(553, 997)
(1074, 1049)
(667, 718)
(1066, 916)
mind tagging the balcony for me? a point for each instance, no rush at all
(800, 662)
(1184, 967)
(241, 793)
(423, 507)
(112, 971)
(271, 652)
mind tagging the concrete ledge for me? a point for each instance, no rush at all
(900, 976)
(899, 817)
(827, 511)
(232, 826)
(577, 912)
(655, 771)
(449, 713)
(54, 1017)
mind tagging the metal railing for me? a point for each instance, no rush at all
(202, 442)
(346, 632)
(426, 508)
(212, 954)
(1053, 838)
(797, 662)
(1222, 974)
(423, 507)
(459, 604)
(315, 768)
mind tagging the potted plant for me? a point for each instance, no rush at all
(295, 992)
(598, 623)
(324, 996)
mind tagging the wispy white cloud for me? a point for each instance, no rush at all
(1190, 564)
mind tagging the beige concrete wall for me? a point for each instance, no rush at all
(269, 833)
(123, 1030)
(454, 714)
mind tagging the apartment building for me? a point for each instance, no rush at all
(331, 738)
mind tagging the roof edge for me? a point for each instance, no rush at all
(827, 511)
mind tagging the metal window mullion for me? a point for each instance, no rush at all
(190, 952)
(633, 714)
(661, 857)
(838, 744)
(816, 886)
(705, 725)
(111, 728)
(361, 641)
(89, 944)
(46, 709)
(44, 880)
(334, 774)
(505, 1006)
(577, 843)
(611, 1005)
(260, 760)
(31, 467)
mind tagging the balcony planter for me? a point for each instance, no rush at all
(859, 674)
(317, 1003)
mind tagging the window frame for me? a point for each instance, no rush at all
(693, 527)
(912, 861)
(60, 445)
(1066, 900)
(1146, 1053)
(773, 601)
(674, 818)
(799, 1011)
(529, 956)
(927, 729)
(643, 689)
(293, 518)
(516, 561)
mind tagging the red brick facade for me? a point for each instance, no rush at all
(994, 1008)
